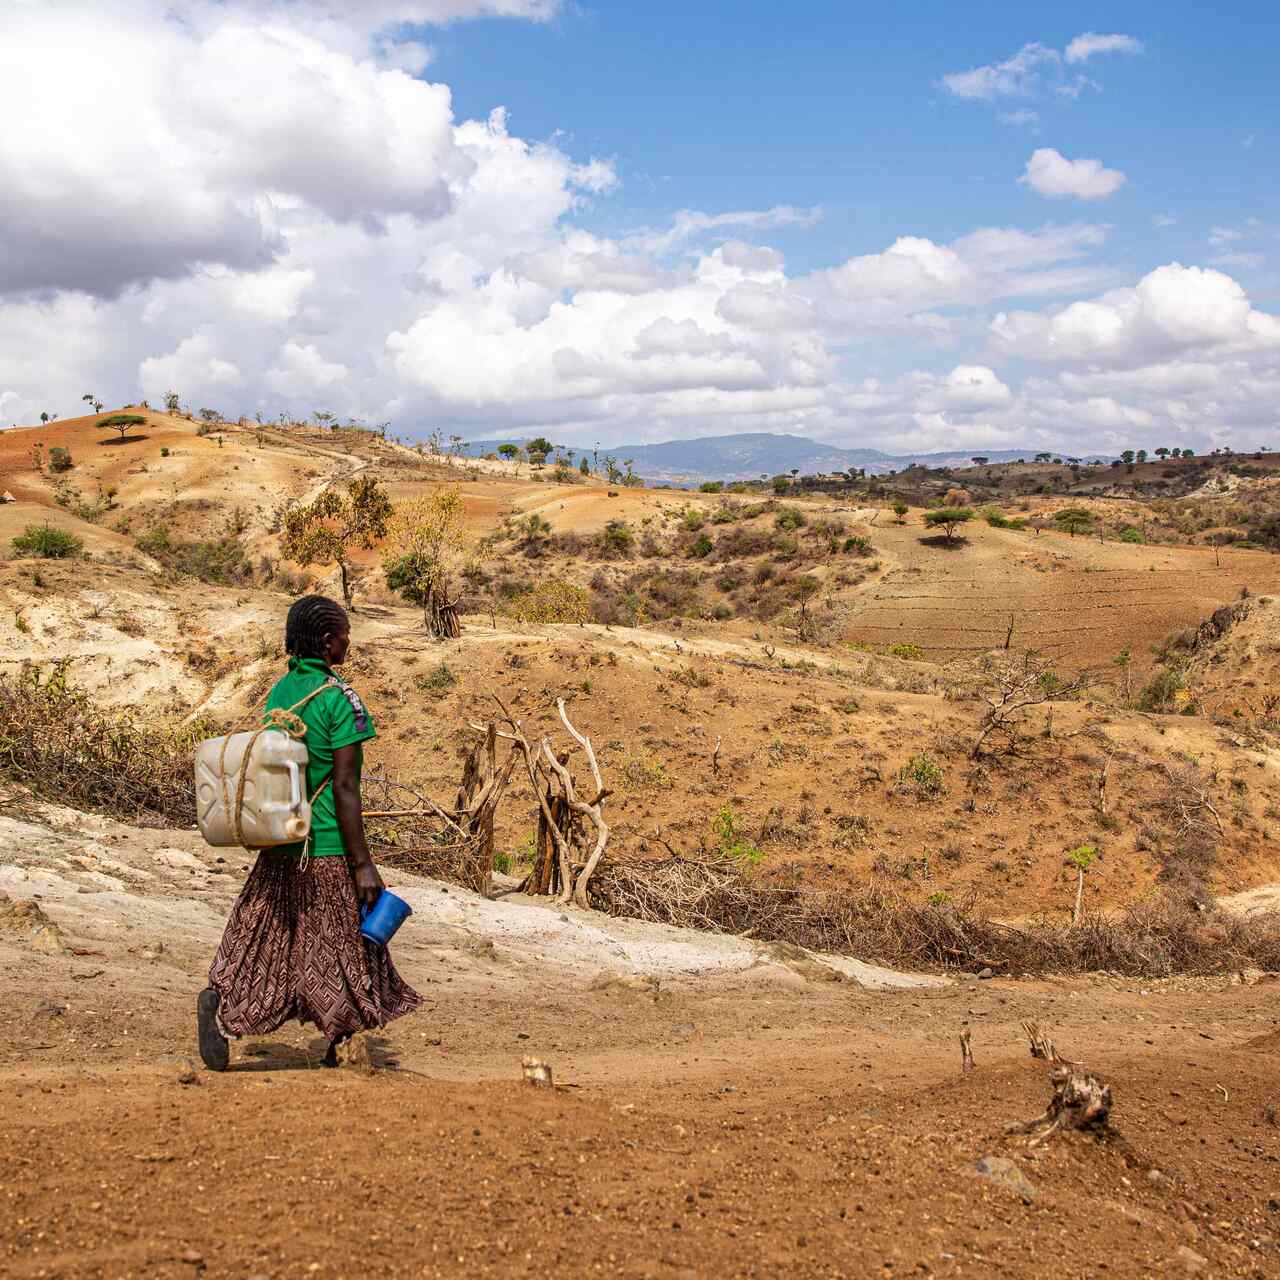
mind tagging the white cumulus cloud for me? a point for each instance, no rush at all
(1051, 174)
(1086, 46)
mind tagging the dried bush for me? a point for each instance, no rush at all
(1158, 936)
(221, 561)
(552, 600)
(55, 742)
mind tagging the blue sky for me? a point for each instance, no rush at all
(748, 105)
(914, 227)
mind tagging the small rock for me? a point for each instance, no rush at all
(188, 1076)
(1004, 1173)
(1191, 1261)
(537, 1073)
(192, 1257)
(986, 973)
(357, 1055)
(1155, 1177)
(48, 1009)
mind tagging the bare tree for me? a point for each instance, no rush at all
(1013, 690)
(544, 768)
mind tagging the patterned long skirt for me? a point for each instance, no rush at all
(293, 949)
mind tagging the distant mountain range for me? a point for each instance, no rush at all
(753, 454)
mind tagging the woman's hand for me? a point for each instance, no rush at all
(368, 883)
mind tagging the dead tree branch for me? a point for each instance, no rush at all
(1013, 689)
(1079, 1101)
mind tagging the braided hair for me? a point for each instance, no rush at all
(312, 620)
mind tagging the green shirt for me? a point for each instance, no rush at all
(335, 718)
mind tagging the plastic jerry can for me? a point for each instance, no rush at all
(274, 809)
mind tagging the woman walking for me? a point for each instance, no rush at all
(292, 947)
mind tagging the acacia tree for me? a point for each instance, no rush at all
(326, 530)
(1073, 519)
(422, 530)
(948, 519)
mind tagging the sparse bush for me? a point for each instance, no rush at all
(47, 542)
(730, 839)
(54, 741)
(1160, 694)
(923, 774)
(615, 541)
(789, 519)
(438, 681)
(221, 561)
(1130, 533)
(551, 600)
(702, 546)
(857, 545)
(60, 459)
(711, 486)
(913, 652)
(1158, 936)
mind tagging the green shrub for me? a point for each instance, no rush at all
(911, 651)
(615, 539)
(730, 840)
(1161, 692)
(60, 459)
(1130, 533)
(702, 547)
(712, 486)
(998, 520)
(221, 562)
(923, 773)
(47, 542)
(436, 681)
(858, 546)
(692, 520)
(724, 515)
(789, 519)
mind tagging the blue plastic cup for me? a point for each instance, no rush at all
(379, 922)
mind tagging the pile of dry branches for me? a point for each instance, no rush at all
(1156, 937)
(407, 829)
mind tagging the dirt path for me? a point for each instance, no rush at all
(718, 1112)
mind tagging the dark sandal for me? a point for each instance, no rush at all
(214, 1052)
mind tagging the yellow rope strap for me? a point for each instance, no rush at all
(286, 720)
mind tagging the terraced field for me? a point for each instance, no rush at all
(1078, 599)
